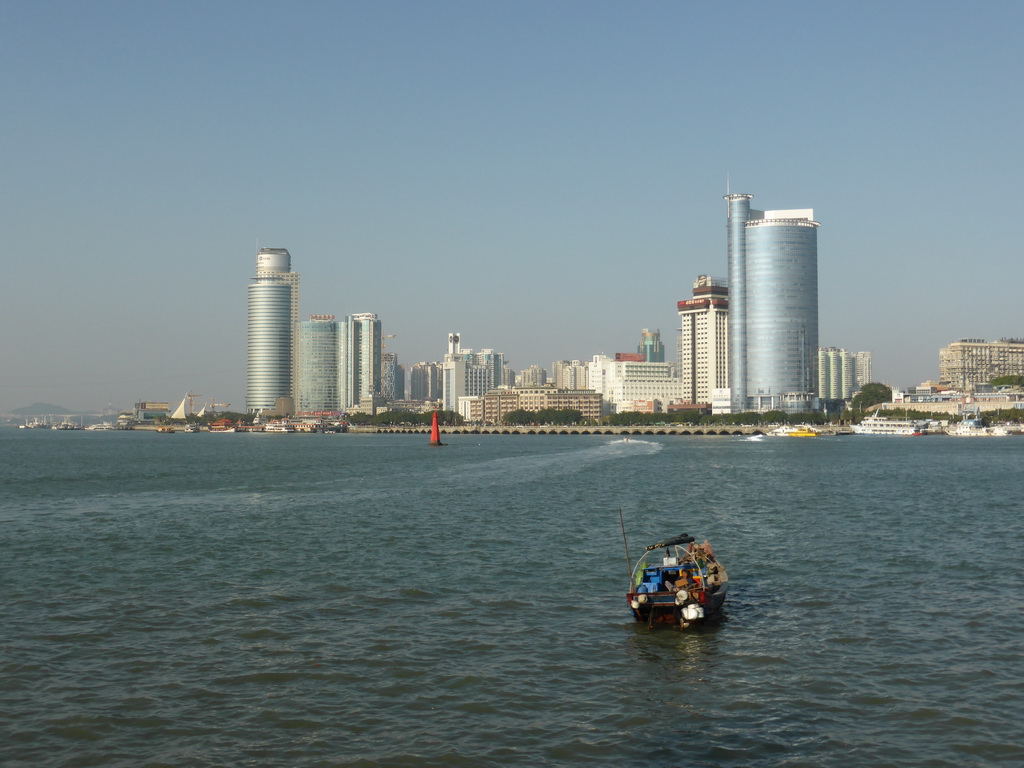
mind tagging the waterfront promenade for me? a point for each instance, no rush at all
(500, 429)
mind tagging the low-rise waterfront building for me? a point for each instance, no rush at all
(492, 407)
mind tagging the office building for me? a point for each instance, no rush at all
(773, 307)
(319, 357)
(967, 363)
(470, 374)
(270, 351)
(627, 383)
(425, 382)
(277, 263)
(360, 359)
(703, 348)
(650, 346)
(392, 377)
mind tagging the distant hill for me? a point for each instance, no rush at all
(42, 409)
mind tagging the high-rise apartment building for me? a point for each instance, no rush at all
(650, 346)
(273, 301)
(837, 373)
(470, 374)
(570, 374)
(425, 382)
(864, 368)
(703, 348)
(966, 363)
(534, 376)
(360, 363)
(842, 373)
(319, 357)
(773, 307)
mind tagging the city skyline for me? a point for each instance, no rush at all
(546, 178)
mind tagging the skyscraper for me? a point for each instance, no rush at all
(466, 373)
(703, 350)
(392, 377)
(269, 361)
(360, 362)
(650, 346)
(837, 373)
(425, 381)
(277, 263)
(864, 368)
(773, 307)
(319, 354)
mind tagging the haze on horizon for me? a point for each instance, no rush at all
(544, 178)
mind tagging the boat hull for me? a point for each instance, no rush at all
(661, 607)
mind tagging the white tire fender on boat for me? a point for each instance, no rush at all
(693, 611)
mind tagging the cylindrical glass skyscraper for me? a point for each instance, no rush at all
(269, 369)
(773, 318)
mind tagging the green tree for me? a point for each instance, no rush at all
(518, 417)
(1008, 381)
(871, 394)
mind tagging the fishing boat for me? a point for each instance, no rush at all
(677, 582)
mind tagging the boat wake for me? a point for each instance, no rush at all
(516, 468)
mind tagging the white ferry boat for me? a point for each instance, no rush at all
(279, 426)
(879, 425)
(975, 428)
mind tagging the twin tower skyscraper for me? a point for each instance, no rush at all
(773, 308)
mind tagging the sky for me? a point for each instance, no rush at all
(545, 178)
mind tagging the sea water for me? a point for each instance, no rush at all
(367, 600)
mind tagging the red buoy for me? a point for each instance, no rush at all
(435, 432)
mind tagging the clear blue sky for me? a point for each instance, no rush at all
(544, 177)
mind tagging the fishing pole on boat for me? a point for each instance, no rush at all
(629, 562)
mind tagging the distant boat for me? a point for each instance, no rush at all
(282, 425)
(879, 425)
(971, 427)
(223, 425)
(794, 431)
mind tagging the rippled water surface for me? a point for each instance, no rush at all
(329, 600)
